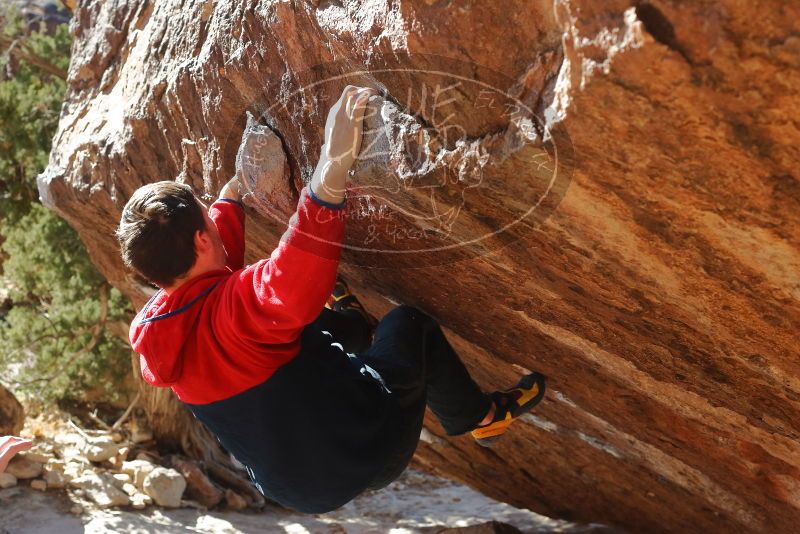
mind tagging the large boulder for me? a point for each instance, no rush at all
(605, 193)
(12, 415)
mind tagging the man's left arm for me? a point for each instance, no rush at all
(228, 215)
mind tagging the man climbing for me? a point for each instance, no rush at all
(277, 358)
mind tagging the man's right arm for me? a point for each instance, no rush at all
(272, 300)
(228, 215)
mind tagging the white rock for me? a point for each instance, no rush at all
(121, 456)
(70, 438)
(140, 500)
(7, 480)
(55, 465)
(101, 449)
(75, 466)
(130, 489)
(74, 471)
(72, 450)
(54, 479)
(165, 486)
(76, 459)
(122, 479)
(100, 488)
(138, 470)
(41, 454)
(140, 436)
(39, 484)
(23, 468)
(38, 457)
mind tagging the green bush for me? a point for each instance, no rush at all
(56, 310)
(56, 337)
(30, 102)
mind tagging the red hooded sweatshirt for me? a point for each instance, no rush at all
(228, 330)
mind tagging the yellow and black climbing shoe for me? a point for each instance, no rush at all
(509, 405)
(342, 300)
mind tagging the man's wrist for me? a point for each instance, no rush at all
(231, 190)
(329, 182)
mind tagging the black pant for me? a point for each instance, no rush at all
(419, 367)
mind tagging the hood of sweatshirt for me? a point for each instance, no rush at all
(160, 330)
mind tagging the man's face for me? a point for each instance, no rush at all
(218, 253)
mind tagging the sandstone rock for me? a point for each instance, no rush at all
(492, 527)
(101, 448)
(140, 436)
(40, 452)
(165, 486)
(655, 283)
(69, 438)
(23, 468)
(138, 470)
(261, 165)
(7, 480)
(39, 484)
(55, 464)
(100, 489)
(75, 466)
(122, 479)
(198, 486)
(146, 457)
(234, 501)
(54, 479)
(140, 501)
(118, 459)
(12, 416)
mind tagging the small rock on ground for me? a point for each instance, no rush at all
(165, 486)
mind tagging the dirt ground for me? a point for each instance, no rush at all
(415, 503)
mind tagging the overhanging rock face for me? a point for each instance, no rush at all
(605, 192)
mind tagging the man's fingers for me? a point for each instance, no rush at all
(358, 101)
(360, 106)
(349, 89)
(350, 94)
(347, 94)
(353, 102)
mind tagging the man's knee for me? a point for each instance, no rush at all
(407, 322)
(405, 313)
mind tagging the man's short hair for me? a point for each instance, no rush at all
(156, 231)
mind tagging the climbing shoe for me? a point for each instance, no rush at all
(342, 299)
(509, 405)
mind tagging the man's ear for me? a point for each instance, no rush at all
(202, 241)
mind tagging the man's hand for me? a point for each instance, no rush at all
(343, 129)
